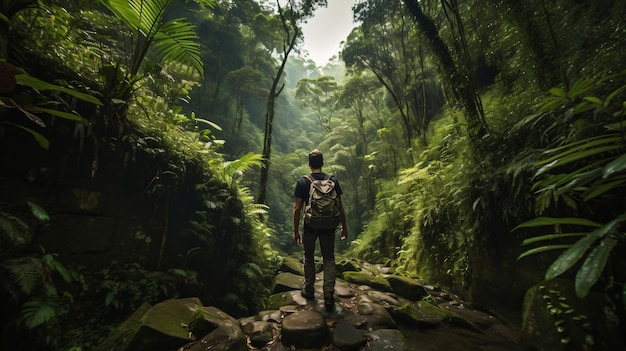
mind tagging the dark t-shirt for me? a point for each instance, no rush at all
(303, 186)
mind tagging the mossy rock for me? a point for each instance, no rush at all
(554, 318)
(287, 282)
(407, 287)
(120, 336)
(426, 315)
(208, 319)
(347, 265)
(292, 264)
(164, 326)
(276, 301)
(360, 278)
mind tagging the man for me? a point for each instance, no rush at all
(310, 235)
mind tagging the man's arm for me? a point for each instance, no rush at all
(344, 226)
(297, 209)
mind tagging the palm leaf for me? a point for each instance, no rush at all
(174, 40)
(177, 41)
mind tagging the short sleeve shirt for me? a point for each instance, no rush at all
(303, 186)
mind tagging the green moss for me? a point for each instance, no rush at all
(378, 283)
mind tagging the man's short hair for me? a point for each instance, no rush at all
(316, 159)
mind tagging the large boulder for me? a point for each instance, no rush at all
(174, 324)
(118, 339)
(159, 327)
(305, 330)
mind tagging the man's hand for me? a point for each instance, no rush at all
(296, 238)
(344, 233)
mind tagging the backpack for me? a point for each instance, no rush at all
(322, 210)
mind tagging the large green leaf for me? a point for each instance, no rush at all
(579, 153)
(39, 84)
(599, 189)
(617, 165)
(570, 256)
(542, 249)
(550, 237)
(543, 221)
(38, 211)
(592, 268)
(41, 140)
(576, 251)
(62, 114)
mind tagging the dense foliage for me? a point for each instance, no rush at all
(459, 132)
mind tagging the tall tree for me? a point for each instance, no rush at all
(289, 16)
(319, 95)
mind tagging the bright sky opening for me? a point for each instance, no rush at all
(327, 29)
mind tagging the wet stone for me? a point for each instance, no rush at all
(262, 333)
(377, 316)
(382, 297)
(271, 316)
(386, 340)
(347, 338)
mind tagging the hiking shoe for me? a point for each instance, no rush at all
(307, 294)
(329, 304)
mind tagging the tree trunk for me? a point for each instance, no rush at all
(460, 84)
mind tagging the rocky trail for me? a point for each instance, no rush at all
(374, 310)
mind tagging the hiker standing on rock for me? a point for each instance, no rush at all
(320, 195)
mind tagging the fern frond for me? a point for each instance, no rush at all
(24, 273)
(37, 311)
(14, 233)
(250, 270)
